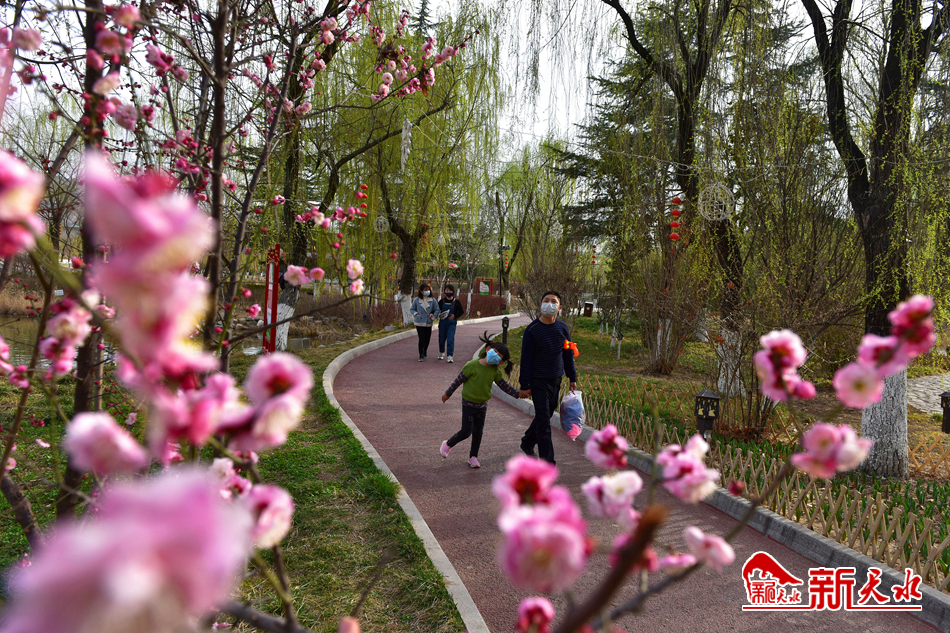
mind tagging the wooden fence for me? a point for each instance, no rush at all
(869, 524)
(929, 458)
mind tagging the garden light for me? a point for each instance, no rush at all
(706, 411)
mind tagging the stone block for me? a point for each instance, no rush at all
(298, 343)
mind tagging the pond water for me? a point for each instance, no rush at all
(20, 335)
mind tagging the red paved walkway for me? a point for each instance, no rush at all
(396, 402)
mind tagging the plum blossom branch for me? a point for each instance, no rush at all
(254, 332)
(259, 619)
(650, 521)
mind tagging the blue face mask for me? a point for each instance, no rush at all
(426, 293)
(493, 357)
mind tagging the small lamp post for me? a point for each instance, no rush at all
(945, 403)
(706, 412)
(504, 330)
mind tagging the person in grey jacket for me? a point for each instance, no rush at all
(424, 309)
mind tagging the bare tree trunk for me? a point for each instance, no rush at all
(85, 391)
(286, 306)
(886, 423)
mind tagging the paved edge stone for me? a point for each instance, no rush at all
(796, 537)
(471, 617)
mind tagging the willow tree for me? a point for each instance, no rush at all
(683, 64)
(431, 180)
(877, 178)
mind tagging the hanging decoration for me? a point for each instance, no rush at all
(675, 211)
(716, 203)
(406, 143)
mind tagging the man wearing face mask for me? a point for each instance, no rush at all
(546, 356)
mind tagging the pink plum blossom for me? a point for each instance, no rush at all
(155, 316)
(607, 448)
(110, 43)
(26, 39)
(675, 563)
(295, 275)
(21, 189)
(72, 325)
(154, 556)
(60, 355)
(884, 353)
(354, 268)
(18, 377)
(535, 615)
(126, 15)
(94, 60)
(612, 495)
(16, 237)
(857, 385)
(105, 85)
(777, 366)
(156, 57)
(538, 554)
(911, 322)
(5, 366)
(254, 310)
(831, 449)
(278, 374)
(273, 510)
(232, 484)
(316, 274)
(526, 481)
(126, 115)
(357, 287)
(348, 625)
(685, 473)
(161, 229)
(96, 443)
(708, 548)
(303, 108)
(196, 414)
(269, 425)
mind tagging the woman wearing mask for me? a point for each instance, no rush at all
(449, 312)
(424, 310)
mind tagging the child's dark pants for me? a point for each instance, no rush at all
(544, 393)
(473, 422)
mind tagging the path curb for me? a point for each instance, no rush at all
(796, 537)
(463, 600)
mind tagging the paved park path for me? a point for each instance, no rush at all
(924, 393)
(396, 402)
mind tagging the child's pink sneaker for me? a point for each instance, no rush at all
(473, 462)
(444, 451)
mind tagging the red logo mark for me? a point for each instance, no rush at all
(771, 587)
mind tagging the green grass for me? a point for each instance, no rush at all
(346, 518)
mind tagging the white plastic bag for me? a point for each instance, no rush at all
(572, 414)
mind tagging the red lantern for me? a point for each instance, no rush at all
(675, 213)
(674, 225)
(676, 200)
(674, 236)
